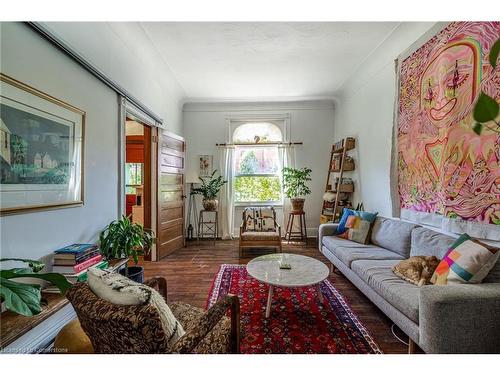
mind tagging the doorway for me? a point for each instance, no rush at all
(138, 199)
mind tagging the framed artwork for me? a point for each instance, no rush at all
(206, 165)
(41, 150)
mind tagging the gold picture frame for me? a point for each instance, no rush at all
(41, 150)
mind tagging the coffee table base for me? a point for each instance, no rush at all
(271, 293)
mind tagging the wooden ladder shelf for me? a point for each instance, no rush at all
(337, 167)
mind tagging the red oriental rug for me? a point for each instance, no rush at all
(299, 323)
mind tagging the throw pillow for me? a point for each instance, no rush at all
(467, 261)
(417, 270)
(365, 215)
(120, 290)
(259, 219)
(357, 229)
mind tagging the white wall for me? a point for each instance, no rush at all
(29, 58)
(123, 52)
(311, 122)
(365, 111)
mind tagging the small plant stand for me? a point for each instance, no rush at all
(208, 225)
(300, 235)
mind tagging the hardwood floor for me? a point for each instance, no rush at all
(190, 271)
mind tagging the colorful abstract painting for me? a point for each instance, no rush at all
(444, 167)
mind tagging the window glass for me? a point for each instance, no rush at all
(133, 177)
(257, 189)
(257, 174)
(257, 132)
(256, 160)
(257, 169)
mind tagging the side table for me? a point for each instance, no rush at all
(300, 235)
(208, 225)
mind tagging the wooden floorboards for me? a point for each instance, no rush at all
(190, 271)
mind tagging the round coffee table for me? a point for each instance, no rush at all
(305, 271)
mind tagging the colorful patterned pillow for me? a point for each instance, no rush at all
(467, 261)
(365, 215)
(357, 229)
(259, 219)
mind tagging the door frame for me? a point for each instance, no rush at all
(128, 110)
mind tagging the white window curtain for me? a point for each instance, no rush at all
(227, 199)
(287, 159)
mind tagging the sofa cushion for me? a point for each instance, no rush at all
(349, 254)
(399, 293)
(494, 275)
(425, 241)
(393, 234)
(332, 242)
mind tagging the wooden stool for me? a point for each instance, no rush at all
(294, 235)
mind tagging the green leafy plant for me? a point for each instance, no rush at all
(257, 189)
(25, 299)
(294, 182)
(210, 186)
(486, 108)
(123, 239)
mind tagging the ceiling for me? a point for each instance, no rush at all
(264, 60)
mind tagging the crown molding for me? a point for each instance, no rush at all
(275, 104)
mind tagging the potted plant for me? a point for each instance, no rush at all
(124, 239)
(294, 185)
(23, 298)
(209, 189)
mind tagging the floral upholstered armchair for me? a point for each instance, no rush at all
(137, 328)
(259, 228)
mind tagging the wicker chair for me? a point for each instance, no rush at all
(259, 229)
(137, 329)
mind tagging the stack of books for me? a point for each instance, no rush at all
(73, 261)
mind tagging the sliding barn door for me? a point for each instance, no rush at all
(170, 211)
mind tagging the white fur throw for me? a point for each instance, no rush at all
(120, 290)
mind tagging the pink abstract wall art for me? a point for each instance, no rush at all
(443, 166)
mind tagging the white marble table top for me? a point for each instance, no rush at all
(305, 271)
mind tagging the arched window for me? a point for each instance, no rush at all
(256, 164)
(257, 132)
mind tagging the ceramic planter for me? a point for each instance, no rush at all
(297, 204)
(210, 204)
(135, 273)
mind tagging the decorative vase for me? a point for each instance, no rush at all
(210, 204)
(297, 204)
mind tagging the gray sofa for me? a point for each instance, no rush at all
(439, 319)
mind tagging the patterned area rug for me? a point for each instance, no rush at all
(299, 323)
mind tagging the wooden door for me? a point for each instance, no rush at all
(170, 210)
